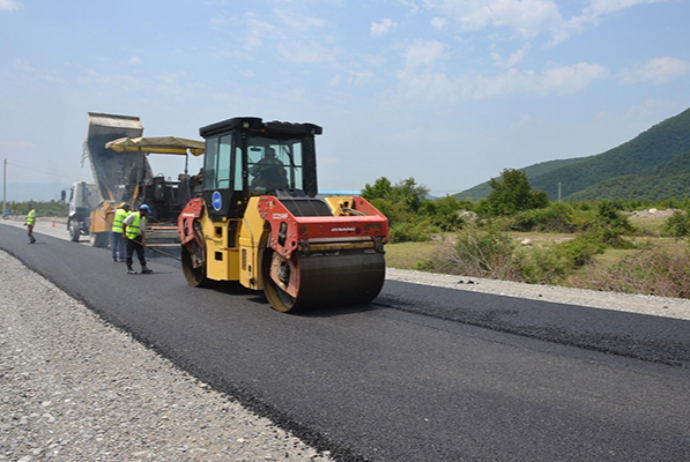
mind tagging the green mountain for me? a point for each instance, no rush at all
(482, 190)
(656, 146)
(670, 179)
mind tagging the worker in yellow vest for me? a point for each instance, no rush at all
(30, 222)
(117, 240)
(133, 229)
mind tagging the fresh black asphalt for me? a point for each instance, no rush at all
(422, 374)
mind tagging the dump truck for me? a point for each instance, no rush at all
(110, 169)
(259, 221)
(119, 159)
(83, 198)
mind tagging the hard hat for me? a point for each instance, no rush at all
(145, 207)
(125, 207)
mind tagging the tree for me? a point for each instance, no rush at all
(512, 193)
(381, 189)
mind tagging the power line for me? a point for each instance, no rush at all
(45, 171)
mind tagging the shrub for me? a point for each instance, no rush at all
(479, 254)
(652, 270)
(581, 250)
(609, 226)
(678, 225)
(412, 232)
(543, 266)
(557, 217)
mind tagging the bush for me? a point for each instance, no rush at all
(412, 232)
(543, 266)
(653, 270)
(444, 212)
(678, 225)
(557, 217)
(609, 226)
(581, 250)
(479, 254)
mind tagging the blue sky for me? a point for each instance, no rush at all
(448, 92)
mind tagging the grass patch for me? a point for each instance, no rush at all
(652, 226)
(406, 255)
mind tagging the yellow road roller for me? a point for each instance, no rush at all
(259, 220)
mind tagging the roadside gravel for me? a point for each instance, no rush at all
(677, 308)
(76, 389)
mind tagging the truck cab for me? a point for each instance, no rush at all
(83, 198)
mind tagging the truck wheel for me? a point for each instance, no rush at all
(99, 239)
(74, 231)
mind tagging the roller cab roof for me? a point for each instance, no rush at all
(258, 126)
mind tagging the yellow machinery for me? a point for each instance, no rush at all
(258, 221)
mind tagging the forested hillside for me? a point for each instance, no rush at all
(668, 180)
(656, 146)
(482, 190)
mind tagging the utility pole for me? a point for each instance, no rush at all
(4, 187)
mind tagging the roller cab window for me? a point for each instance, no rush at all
(223, 189)
(274, 164)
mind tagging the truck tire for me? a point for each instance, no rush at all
(99, 239)
(74, 231)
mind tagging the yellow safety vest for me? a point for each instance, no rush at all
(139, 223)
(120, 216)
(31, 217)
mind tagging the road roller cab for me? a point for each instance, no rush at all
(258, 221)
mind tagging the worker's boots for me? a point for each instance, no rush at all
(145, 270)
(131, 271)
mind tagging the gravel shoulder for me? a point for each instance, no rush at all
(677, 308)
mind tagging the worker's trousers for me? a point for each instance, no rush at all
(135, 246)
(117, 243)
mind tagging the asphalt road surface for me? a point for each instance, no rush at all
(422, 374)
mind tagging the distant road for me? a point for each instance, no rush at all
(412, 377)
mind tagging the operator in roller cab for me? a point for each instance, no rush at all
(269, 172)
(259, 221)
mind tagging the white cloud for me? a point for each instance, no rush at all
(559, 80)
(424, 52)
(428, 87)
(512, 60)
(602, 7)
(8, 5)
(527, 18)
(335, 81)
(306, 52)
(382, 28)
(357, 79)
(414, 8)
(257, 30)
(119, 81)
(657, 71)
(299, 22)
(222, 20)
(134, 60)
(439, 23)
(22, 65)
